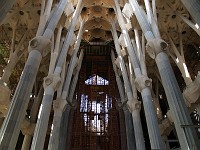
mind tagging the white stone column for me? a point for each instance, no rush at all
(130, 136)
(11, 126)
(65, 121)
(187, 137)
(68, 39)
(16, 113)
(51, 83)
(73, 62)
(135, 107)
(70, 128)
(152, 123)
(129, 129)
(155, 48)
(50, 86)
(29, 130)
(193, 6)
(122, 127)
(58, 106)
(139, 139)
(63, 128)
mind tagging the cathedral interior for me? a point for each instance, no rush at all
(100, 74)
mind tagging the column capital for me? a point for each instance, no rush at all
(40, 44)
(52, 80)
(59, 104)
(142, 82)
(27, 127)
(155, 46)
(134, 105)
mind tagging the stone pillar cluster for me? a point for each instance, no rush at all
(129, 65)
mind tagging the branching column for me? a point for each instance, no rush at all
(54, 139)
(70, 105)
(73, 62)
(11, 126)
(155, 48)
(143, 85)
(129, 125)
(50, 86)
(58, 106)
(14, 58)
(131, 99)
(129, 128)
(63, 128)
(28, 134)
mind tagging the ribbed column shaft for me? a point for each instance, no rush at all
(137, 124)
(68, 39)
(176, 103)
(41, 126)
(128, 119)
(11, 127)
(53, 21)
(54, 137)
(172, 90)
(122, 126)
(127, 115)
(63, 128)
(145, 26)
(33, 114)
(65, 119)
(193, 6)
(72, 63)
(135, 114)
(129, 130)
(43, 119)
(154, 133)
(69, 130)
(151, 120)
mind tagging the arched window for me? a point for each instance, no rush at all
(96, 80)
